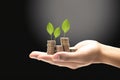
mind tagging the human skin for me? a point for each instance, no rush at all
(88, 52)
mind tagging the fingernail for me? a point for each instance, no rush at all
(33, 57)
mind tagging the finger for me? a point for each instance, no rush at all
(67, 57)
(35, 54)
(49, 59)
(71, 65)
(42, 56)
(45, 57)
(84, 43)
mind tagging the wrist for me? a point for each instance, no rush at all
(103, 54)
(99, 54)
(109, 55)
(103, 51)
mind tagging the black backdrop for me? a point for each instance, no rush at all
(17, 41)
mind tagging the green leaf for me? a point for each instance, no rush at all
(66, 26)
(57, 32)
(50, 28)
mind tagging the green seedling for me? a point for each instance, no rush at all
(65, 26)
(50, 29)
(57, 32)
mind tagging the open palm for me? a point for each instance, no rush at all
(87, 52)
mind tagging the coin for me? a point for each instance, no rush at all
(51, 46)
(59, 48)
(65, 43)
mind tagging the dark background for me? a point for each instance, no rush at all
(17, 41)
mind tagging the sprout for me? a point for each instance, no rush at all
(65, 26)
(57, 32)
(50, 29)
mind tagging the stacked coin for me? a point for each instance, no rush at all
(65, 43)
(59, 48)
(72, 49)
(51, 46)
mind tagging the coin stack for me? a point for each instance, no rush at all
(59, 48)
(72, 49)
(51, 46)
(65, 43)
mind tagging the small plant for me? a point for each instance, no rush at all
(51, 44)
(57, 32)
(50, 29)
(65, 26)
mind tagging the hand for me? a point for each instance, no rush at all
(88, 52)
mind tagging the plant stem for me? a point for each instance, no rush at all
(64, 34)
(51, 37)
(54, 38)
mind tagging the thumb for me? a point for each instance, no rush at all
(65, 56)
